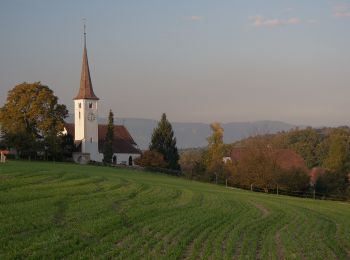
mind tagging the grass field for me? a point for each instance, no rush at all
(53, 210)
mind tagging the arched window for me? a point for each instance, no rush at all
(90, 105)
(114, 159)
(130, 160)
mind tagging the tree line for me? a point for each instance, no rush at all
(32, 121)
(259, 167)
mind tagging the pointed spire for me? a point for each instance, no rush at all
(85, 91)
(84, 35)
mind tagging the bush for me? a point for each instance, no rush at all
(294, 180)
(151, 159)
(333, 184)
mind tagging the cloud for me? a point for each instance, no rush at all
(260, 21)
(341, 10)
(193, 18)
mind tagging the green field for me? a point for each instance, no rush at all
(54, 210)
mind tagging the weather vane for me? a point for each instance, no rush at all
(84, 23)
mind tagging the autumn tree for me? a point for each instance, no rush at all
(189, 162)
(305, 142)
(108, 144)
(336, 159)
(213, 156)
(164, 142)
(338, 154)
(32, 118)
(258, 165)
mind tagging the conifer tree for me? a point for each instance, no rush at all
(108, 147)
(164, 142)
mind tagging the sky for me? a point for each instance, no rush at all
(195, 60)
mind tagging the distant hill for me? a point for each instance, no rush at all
(191, 135)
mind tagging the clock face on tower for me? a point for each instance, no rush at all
(91, 116)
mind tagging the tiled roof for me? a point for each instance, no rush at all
(123, 142)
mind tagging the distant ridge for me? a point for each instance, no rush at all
(191, 135)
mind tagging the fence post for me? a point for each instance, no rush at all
(314, 193)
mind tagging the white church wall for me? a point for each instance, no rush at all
(78, 122)
(123, 158)
(86, 127)
(91, 147)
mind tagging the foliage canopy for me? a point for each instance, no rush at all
(32, 119)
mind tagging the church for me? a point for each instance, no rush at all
(89, 136)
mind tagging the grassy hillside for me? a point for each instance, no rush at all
(69, 211)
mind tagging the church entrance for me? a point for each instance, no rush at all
(114, 159)
(130, 160)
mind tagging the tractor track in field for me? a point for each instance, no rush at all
(225, 238)
(59, 216)
(202, 235)
(295, 237)
(279, 244)
(242, 235)
(265, 212)
(94, 212)
(334, 251)
(337, 237)
(192, 243)
(230, 229)
(5, 177)
(238, 248)
(160, 234)
(208, 242)
(258, 249)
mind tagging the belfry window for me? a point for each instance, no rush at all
(79, 105)
(79, 114)
(90, 105)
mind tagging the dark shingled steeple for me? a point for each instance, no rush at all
(85, 91)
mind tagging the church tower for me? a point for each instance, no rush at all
(86, 112)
